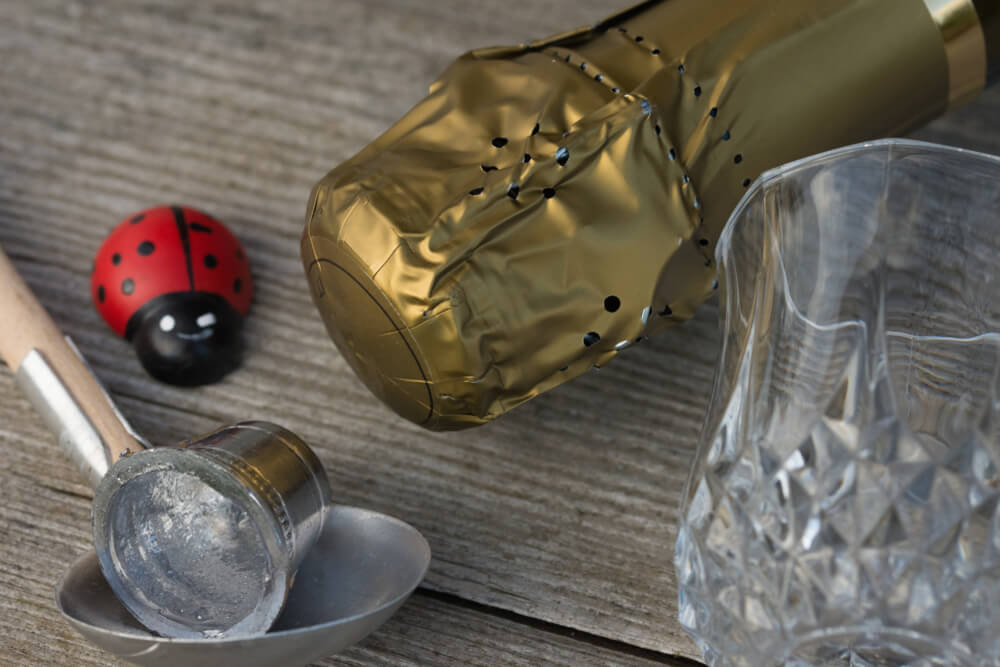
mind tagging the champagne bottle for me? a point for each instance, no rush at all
(551, 204)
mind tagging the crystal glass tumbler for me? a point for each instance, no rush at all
(843, 505)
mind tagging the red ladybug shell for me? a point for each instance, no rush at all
(167, 249)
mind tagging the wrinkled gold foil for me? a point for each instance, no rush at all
(552, 204)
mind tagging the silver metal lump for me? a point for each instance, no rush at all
(204, 539)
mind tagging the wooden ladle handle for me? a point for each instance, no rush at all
(27, 327)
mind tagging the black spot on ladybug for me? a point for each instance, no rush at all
(200, 228)
(146, 248)
(210, 261)
(101, 294)
(237, 285)
(591, 338)
(499, 142)
(137, 219)
(116, 259)
(612, 304)
(128, 286)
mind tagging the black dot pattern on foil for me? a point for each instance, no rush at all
(655, 52)
(101, 294)
(237, 285)
(513, 190)
(583, 66)
(128, 286)
(612, 303)
(211, 261)
(746, 182)
(697, 91)
(476, 191)
(598, 77)
(639, 38)
(146, 248)
(658, 130)
(116, 259)
(535, 129)
(591, 338)
(499, 142)
(549, 193)
(703, 242)
(562, 156)
(666, 312)
(672, 154)
(138, 218)
(713, 112)
(738, 158)
(726, 136)
(680, 68)
(487, 168)
(526, 158)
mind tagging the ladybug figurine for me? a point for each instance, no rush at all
(176, 284)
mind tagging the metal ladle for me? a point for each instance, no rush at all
(202, 542)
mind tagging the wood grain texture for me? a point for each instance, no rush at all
(559, 516)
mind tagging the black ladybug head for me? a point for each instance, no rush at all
(187, 338)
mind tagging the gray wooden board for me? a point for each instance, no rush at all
(557, 519)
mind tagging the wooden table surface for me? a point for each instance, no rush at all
(552, 529)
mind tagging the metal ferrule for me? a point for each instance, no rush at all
(65, 418)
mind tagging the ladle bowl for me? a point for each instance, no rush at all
(364, 566)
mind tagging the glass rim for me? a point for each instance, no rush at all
(795, 166)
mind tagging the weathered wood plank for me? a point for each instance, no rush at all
(563, 511)
(43, 528)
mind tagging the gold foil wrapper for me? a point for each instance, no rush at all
(549, 205)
